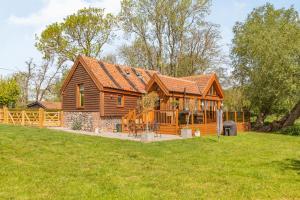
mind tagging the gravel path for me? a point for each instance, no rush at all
(121, 136)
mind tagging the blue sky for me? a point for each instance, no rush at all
(21, 20)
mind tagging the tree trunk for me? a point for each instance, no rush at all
(288, 120)
(291, 117)
(260, 120)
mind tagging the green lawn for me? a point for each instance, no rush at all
(45, 164)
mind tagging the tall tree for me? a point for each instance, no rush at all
(23, 79)
(266, 59)
(84, 32)
(168, 33)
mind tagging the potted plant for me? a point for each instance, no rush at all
(197, 132)
(174, 103)
(146, 104)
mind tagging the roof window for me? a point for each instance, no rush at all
(127, 72)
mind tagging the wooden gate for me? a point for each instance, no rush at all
(31, 117)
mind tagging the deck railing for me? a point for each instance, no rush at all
(31, 117)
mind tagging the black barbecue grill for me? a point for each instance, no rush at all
(229, 128)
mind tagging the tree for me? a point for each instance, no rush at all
(9, 92)
(45, 77)
(265, 53)
(235, 100)
(135, 54)
(84, 32)
(169, 35)
(146, 104)
(40, 82)
(24, 79)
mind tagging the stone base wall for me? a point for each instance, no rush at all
(91, 121)
(109, 123)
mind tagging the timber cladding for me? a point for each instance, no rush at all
(91, 92)
(111, 107)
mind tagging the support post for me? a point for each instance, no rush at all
(226, 115)
(177, 120)
(41, 117)
(243, 117)
(192, 117)
(235, 116)
(23, 118)
(61, 123)
(5, 115)
(205, 116)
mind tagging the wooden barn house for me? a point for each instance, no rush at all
(102, 95)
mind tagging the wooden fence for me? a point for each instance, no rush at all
(31, 117)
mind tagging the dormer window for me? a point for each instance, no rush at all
(127, 72)
(139, 74)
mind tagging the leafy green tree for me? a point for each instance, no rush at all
(235, 100)
(84, 32)
(9, 92)
(266, 59)
(170, 36)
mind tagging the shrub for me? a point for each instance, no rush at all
(291, 130)
(77, 124)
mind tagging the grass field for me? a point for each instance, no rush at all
(46, 164)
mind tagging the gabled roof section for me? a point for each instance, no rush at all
(170, 84)
(106, 75)
(205, 82)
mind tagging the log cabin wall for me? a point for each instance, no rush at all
(91, 92)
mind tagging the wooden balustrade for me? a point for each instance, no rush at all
(31, 117)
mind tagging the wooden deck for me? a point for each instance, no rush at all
(168, 122)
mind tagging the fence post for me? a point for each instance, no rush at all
(243, 117)
(61, 124)
(5, 115)
(41, 117)
(177, 120)
(235, 116)
(23, 118)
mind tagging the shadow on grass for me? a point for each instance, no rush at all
(288, 164)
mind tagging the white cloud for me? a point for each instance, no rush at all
(239, 5)
(56, 10)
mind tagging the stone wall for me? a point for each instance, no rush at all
(91, 121)
(109, 123)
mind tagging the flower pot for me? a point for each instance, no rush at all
(197, 133)
(186, 133)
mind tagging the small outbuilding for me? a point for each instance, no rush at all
(47, 105)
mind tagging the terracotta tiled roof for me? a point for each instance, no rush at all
(119, 76)
(136, 79)
(179, 85)
(201, 80)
